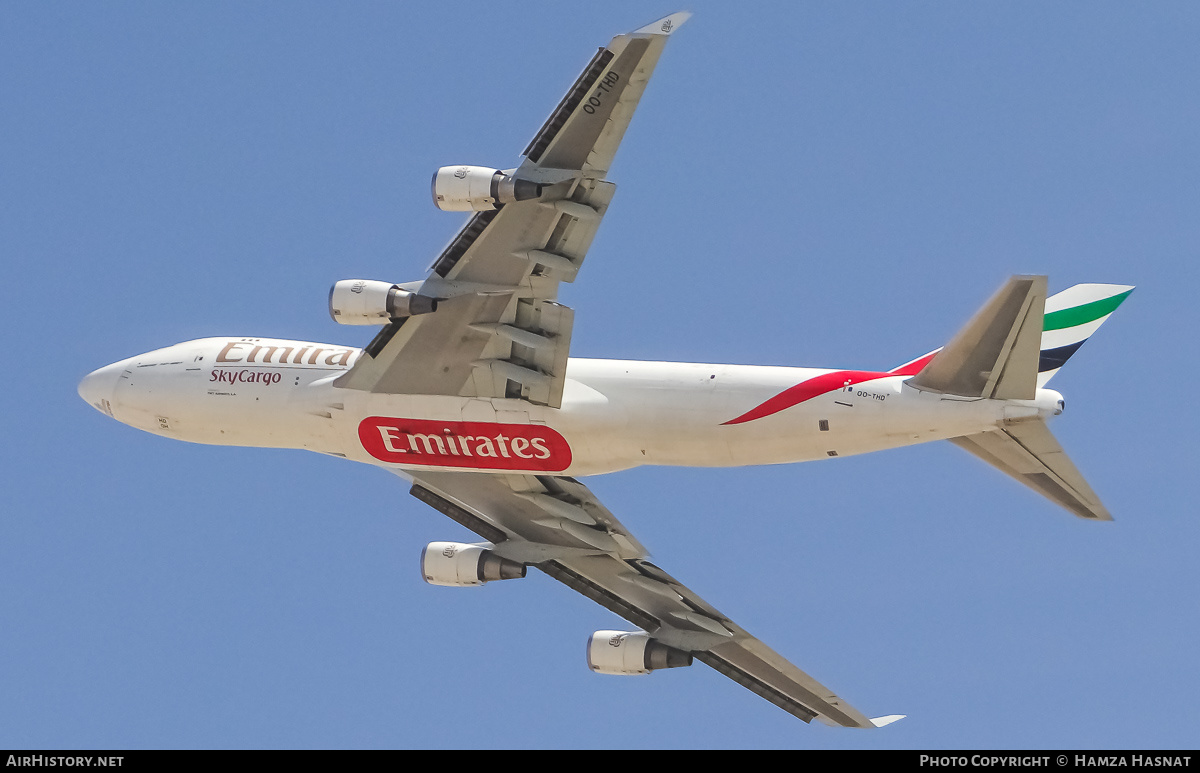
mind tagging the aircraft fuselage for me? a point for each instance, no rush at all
(615, 414)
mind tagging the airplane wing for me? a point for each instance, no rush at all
(499, 331)
(557, 525)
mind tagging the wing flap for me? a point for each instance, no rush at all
(519, 506)
(759, 669)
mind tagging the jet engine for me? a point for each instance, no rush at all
(462, 565)
(478, 188)
(368, 302)
(626, 653)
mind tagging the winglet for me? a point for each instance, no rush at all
(665, 25)
(889, 719)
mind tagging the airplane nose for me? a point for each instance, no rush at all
(97, 387)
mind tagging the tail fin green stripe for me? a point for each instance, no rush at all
(1080, 315)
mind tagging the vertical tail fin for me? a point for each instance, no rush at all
(1071, 317)
(996, 354)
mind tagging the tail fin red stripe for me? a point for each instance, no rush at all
(914, 367)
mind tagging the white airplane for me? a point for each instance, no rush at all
(468, 392)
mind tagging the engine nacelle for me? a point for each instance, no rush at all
(626, 653)
(478, 188)
(461, 565)
(368, 302)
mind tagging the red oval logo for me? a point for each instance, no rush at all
(475, 444)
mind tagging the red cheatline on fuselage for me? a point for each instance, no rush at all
(806, 390)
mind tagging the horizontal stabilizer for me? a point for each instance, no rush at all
(996, 355)
(1028, 452)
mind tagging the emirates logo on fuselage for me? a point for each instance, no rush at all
(472, 444)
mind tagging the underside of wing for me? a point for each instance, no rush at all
(585, 129)
(558, 526)
(498, 330)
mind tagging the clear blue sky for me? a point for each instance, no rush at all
(820, 184)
